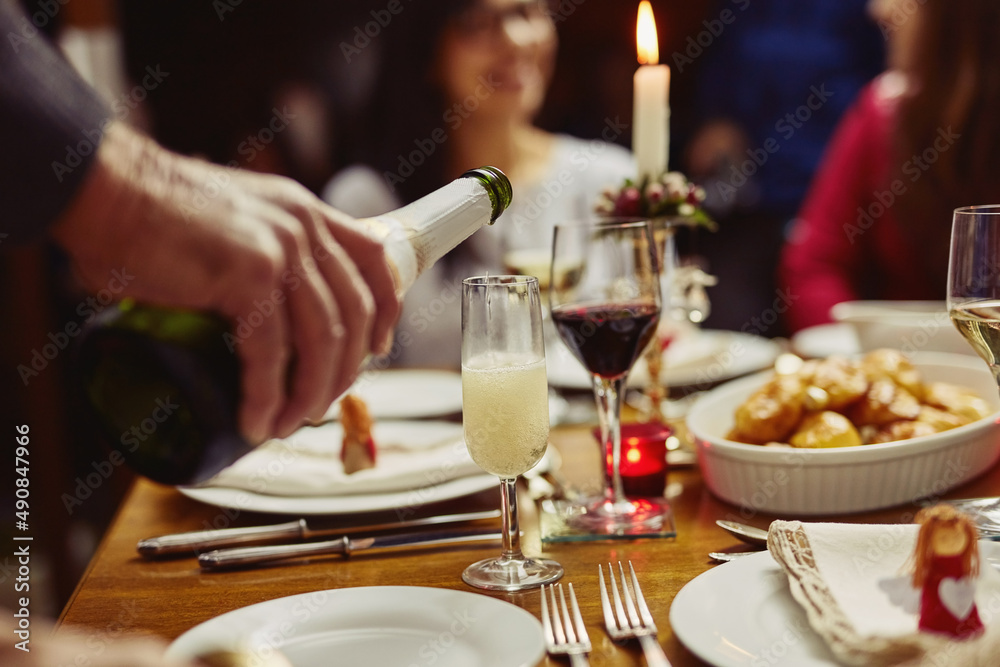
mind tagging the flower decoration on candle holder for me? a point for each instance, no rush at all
(671, 196)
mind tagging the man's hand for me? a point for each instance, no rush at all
(315, 292)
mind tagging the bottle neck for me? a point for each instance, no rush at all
(419, 234)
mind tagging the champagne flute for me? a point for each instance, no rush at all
(606, 314)
(505, 411)
(974, 280)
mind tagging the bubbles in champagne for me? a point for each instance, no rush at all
(505, 412)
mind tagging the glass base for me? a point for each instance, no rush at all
(635, 515)
(512, 574)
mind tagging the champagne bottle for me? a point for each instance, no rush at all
(163, 384)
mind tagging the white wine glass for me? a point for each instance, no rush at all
(606, 314)
(505, 411)
(974, 280)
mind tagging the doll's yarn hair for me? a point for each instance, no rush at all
(930, 520)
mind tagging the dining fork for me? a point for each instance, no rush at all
(565, 635)
(633, 620)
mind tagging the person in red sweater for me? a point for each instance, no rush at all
(920, 141)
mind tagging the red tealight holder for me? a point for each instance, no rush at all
(643, 458)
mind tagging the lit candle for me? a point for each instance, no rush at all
(643, 458)
(650, 102)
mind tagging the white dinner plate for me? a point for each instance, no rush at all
(375, 625)
(742, 614)
(823, 340)
(409, 455)
(248, 501)
(406, 394)
(706, 359)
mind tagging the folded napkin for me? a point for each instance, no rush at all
(853, 582)
(410, 455)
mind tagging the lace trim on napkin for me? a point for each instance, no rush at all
(789, 546)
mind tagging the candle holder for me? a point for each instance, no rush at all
(644, 464)
(668, 202)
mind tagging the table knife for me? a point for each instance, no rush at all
(244, 556)
(202, 540)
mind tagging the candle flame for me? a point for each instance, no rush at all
(645, 35)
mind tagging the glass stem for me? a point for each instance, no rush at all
(511, 534)
(609, 402)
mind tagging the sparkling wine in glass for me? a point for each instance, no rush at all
(974, 280)
(606, 314)
(505, 410)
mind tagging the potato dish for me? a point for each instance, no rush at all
(841, 402)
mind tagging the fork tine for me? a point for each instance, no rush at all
(581, 628)
(546, 623)
(633, 617)
(622, 619)
(647, 618)
(609, 614)
(557, 623)
(567, 621)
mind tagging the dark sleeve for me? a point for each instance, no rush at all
(51, 123)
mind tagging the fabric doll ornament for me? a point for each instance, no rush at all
(946, 564)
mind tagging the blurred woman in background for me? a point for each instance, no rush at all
(920, 141)
(460, 83)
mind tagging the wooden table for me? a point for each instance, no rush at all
(122, 593)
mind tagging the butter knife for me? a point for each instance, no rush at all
(202, 540)
(244, 556)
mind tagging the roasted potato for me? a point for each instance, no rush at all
(825, 429)
(841, 402)
(885, 402)
(901, 430)
(957, 400)
(885, 364)
(841, 379)
(771, 412)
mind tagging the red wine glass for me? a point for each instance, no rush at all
(604, 294)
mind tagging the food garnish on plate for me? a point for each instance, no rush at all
(358, 449)
(841, 402)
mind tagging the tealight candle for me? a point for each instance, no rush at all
(650, 102)
(643, 458)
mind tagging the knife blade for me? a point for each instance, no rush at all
(244, 556)
(202, 540)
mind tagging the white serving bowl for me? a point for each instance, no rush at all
(910, 326)
(798, 482)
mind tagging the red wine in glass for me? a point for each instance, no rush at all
(607, 338)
